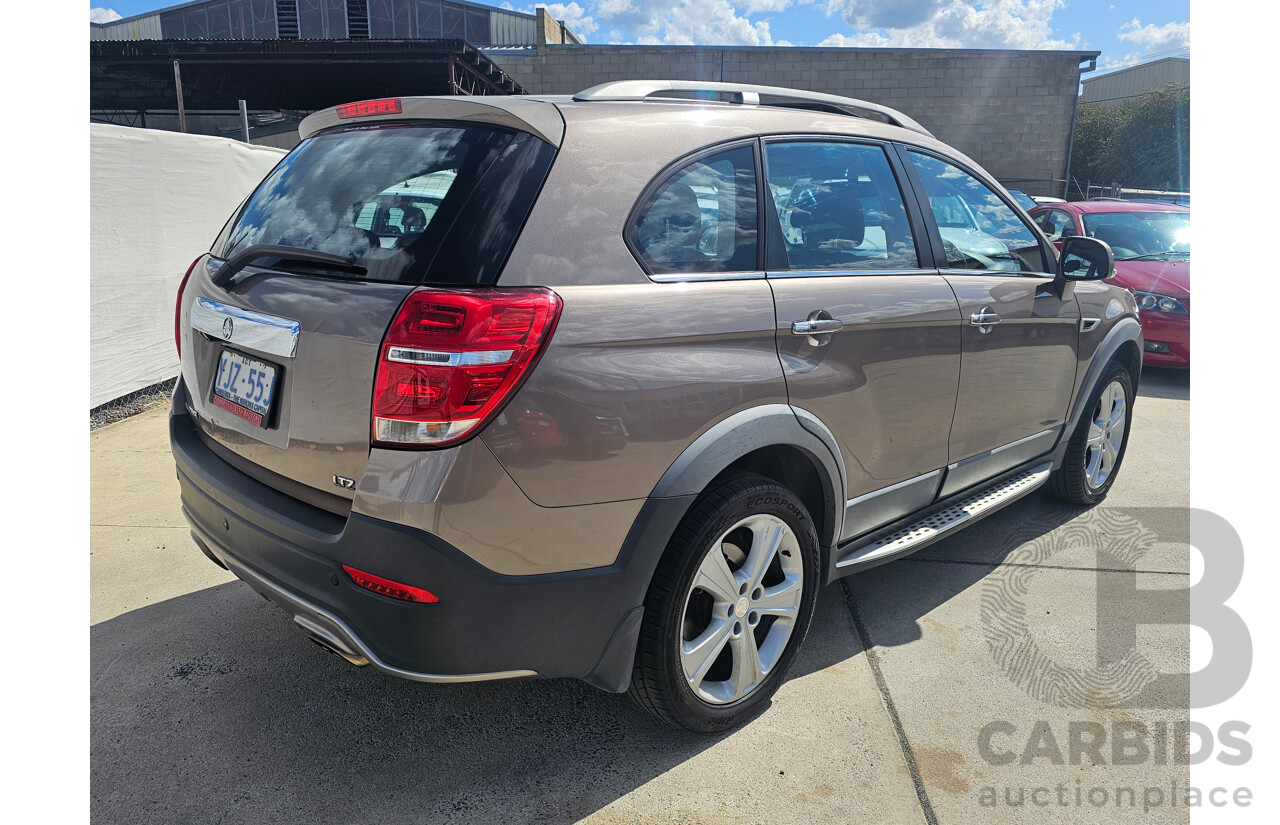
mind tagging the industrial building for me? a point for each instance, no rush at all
(1012, 111)
(1124, 84)
(329, 20)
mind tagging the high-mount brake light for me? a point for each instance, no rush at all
(365, 108)
(177, 308)
(452, 358)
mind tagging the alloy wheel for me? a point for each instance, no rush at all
(741, 609)
(1106, 435)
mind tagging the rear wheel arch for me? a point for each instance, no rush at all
(771, 441)
(796, 470)
(769, 438)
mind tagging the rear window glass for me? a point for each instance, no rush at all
(384, 197)
(703, 218)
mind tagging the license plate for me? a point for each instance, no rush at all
(244, 387)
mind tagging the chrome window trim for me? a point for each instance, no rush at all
(681, 277)
(267, 334)
(830, 273)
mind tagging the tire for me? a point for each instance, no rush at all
(1097, 446)
(718, 582)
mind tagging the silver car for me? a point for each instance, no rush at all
(606, 387)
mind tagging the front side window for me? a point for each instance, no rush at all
(979, 230)
(840, 206)
(702, 218)
(1057, 224)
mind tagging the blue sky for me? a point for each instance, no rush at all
(1125, 31)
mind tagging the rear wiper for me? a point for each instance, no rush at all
(257, 252)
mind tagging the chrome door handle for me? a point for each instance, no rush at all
(984, 318)
(820, 326)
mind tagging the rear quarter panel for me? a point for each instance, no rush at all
(632, 376)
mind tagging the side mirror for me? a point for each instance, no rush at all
(1082, 259)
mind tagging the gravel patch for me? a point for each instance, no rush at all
(135, 402)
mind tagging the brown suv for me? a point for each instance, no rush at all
(606, 387)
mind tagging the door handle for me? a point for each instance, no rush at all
(984, 318)
(819, 326)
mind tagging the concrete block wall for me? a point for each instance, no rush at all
(1009, 111)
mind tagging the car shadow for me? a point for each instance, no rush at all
(1165, 382)
(212, 707)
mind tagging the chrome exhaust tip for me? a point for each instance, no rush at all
(322, 637)
(358, 661)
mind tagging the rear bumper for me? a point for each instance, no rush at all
(486, 625)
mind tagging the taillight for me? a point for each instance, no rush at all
(177, 308)
(364, 108)
(389, 588)
(452, 358)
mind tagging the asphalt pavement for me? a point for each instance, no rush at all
(1002, 675)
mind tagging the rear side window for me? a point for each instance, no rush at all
(702, 218)
(840, 206)
(388, 196)
(979, 230)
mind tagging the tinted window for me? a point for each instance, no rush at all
(384, 197)
(979, 230)
(702, 218)
(840, 207)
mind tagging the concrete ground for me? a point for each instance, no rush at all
(941, 688)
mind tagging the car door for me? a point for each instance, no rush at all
(868, 336)
(1019, 338)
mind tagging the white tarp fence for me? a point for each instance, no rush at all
(156, 201)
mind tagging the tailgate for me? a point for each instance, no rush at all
(315, 430)
(282, 322)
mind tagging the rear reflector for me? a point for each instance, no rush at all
(365, 108)
(177, 308)
(386, 587)
(453, 357)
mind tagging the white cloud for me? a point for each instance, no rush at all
(1109, 63)
(103, 15)
(609, 9)
(685, 22)
(573, 16)
(998, 24)
(757, 6)
(1169, 36)
(884, 14)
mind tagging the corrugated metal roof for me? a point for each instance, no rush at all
(139, 27)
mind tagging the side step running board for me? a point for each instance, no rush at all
(944, 522)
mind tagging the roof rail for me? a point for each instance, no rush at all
(750, 95)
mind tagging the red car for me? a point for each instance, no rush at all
(1152, 244)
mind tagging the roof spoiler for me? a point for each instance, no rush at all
(538, 118)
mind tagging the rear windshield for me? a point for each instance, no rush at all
(386, 197)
